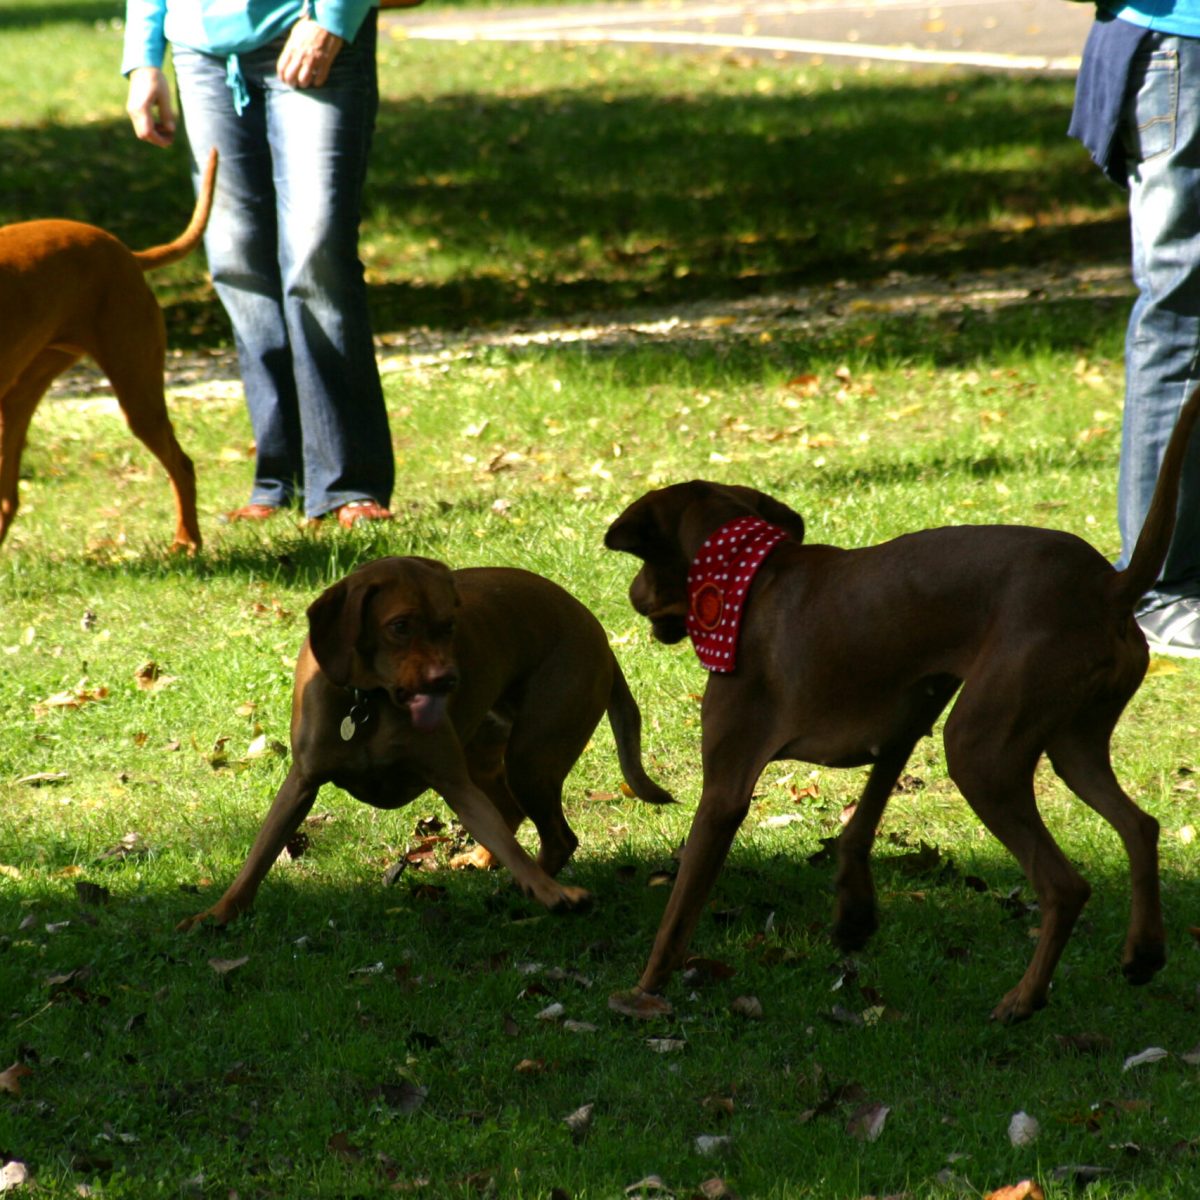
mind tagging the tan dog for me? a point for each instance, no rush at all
(483, 684)
(69, 290)
(847, 657)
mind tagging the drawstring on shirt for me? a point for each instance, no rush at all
(235, 81)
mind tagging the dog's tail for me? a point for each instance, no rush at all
(186, 242)
(1150, 550)
(626, 720)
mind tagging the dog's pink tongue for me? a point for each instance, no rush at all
(427, 711)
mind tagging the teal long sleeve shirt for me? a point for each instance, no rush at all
(226, 27)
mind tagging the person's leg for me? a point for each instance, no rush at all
(240, 242)
(1161, 128)
(320, 139)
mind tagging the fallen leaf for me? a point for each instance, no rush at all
(14, 1175)
(530, 1066)
(552, 1012)
(340, 1144)
(149, 678)
(1153, 1054)
(75, 698)
(696, 970)
(708, 1143)
(224, 966)
(867, 1122)
(130, 844)
(404, 1097)
(42, 778)
(1079, 1174)
(580, 1121)
(91, 894)
(1083, 1043)
(782, 820)
(1023, 1129)
(666, 1045)
(651, 1186)
(749, 1007)
(10, 1080)
(717, 1189)
(1027, 1189)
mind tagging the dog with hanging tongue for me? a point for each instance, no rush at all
(483, 684)
(846, 657)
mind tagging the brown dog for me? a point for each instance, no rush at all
(69, 290)
(483, 684)
(847, 657)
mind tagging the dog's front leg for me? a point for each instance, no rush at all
(484, 822)
(291, 805)
(729, 780)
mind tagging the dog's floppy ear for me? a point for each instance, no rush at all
(770, 509)
(335, 623)
(634, 530)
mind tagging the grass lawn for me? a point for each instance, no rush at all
(351, 1038)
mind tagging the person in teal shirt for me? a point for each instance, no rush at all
(1137, 109)
(287, 92)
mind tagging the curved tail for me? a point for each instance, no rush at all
(626, 720)
(1150, 550)
(186, 242)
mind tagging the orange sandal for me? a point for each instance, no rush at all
(349, 515)
(251, 512)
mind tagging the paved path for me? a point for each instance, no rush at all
(1009, 35)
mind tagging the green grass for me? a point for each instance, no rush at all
(295, 1074)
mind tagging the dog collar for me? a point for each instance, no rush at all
(718, 581)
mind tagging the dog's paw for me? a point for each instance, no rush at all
(1016, 1007)
(572, 899)
(1143, 963)
(640, 1005)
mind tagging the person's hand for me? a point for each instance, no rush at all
(150, 107)
(308, 54)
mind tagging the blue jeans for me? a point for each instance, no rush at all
(282, 245)
(1160, 131)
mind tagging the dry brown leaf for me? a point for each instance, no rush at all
(867, 1122)
(224, 966)
(340, 1144)
(749, 1007)
(77, 697)
(10, 1080)
(1027, 1189)
(149, 677)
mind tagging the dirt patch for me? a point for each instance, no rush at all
(213, 373)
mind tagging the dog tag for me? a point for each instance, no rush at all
(358, 714)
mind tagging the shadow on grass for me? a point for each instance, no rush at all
(568, 201)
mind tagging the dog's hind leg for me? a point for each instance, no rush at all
(992, 761)
(138, 384)
(17, 405)
(1080, 755)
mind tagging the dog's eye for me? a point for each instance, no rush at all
(401, 626)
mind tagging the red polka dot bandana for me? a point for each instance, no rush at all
(718, 581)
